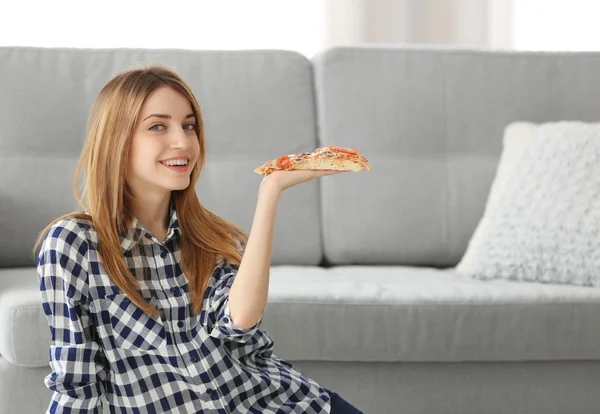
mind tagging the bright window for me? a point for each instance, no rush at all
(183, 24)
(556, 25)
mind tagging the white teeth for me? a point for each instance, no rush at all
(175, 162)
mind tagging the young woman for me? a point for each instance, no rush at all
(149, 302)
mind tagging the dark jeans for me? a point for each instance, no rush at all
(341, 406)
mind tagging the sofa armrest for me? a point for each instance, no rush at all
(24, 332)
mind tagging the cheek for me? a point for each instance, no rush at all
(196, 147)
(144, 157)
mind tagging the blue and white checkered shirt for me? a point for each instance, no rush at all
(104, 347)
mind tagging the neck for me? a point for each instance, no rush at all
(153, 214)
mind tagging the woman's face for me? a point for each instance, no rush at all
(165, 130)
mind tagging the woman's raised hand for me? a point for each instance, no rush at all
(283, 179)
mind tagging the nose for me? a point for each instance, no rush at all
(181, 138)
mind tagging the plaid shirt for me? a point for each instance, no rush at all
(104, 347)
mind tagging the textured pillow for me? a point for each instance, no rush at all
(517, 137)
(546, 224)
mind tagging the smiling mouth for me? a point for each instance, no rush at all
(178, 168)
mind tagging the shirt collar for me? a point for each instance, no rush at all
(136, 231)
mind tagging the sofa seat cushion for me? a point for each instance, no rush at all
(374, 313)
(380, 313)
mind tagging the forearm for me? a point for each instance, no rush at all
(249, 291)
(77, 378)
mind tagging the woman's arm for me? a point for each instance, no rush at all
(248, 294)
(77, 361)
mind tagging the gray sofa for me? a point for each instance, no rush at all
(363, 296)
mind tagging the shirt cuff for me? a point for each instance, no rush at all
(225, 328)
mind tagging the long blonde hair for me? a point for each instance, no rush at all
(110, 128)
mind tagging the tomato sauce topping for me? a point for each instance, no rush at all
(342, 150)
(283, 162)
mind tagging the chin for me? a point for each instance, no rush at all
(179, 187)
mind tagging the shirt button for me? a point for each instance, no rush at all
(194, 359)
(211, 392)
(163, 253)
(180, 324)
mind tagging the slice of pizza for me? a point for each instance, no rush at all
(325, 158)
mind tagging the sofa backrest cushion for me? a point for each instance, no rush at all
(257, 105)
(430, 121)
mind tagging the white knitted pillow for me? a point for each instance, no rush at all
(517, 137)
(546, 225)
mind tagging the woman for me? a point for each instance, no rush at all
(149, 302)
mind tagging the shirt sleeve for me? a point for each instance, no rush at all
(76, 359)
(219, 305)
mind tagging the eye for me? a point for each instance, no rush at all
(152, 128)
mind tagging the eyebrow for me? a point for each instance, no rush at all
(168, 116)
